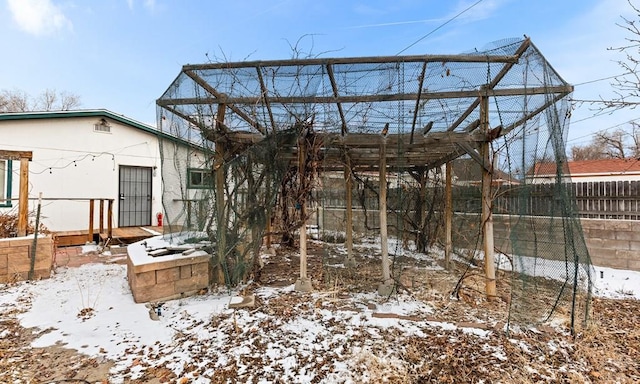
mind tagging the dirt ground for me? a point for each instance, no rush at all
(604, 350)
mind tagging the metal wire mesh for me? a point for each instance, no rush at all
(248, 122)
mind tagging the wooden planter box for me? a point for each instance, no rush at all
(167, 277)
(15, 258)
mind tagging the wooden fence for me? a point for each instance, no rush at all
(618, 200)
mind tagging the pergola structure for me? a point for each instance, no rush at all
(368, 114)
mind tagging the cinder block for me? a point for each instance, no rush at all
(193, 283)
(3, 261)
(616, 244)
(200, 269)
(590, 224)
(168, 275)
(20, 242)
(632, 236)
(144, 279)
(620, 225)
(610, 262)
(593, 242)
(634, 265)
(153, 293)
(185, 271)
(601, 253)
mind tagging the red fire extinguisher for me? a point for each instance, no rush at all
(159, 218)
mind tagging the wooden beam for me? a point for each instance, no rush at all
(220, 178)
(91, 214)
(253, 100)
(15, 155)
(531, 115)
(348, 177)
(448, 215)
(334, 87)
(23, 202)
(384, 236)
(494, 82)
(303, 283)
(265, 95)
(303, 228)
(110, 219)
(461, 58)
(487, 216)
(475, 155)
(222, 99)
(415, 110)
(101, 218)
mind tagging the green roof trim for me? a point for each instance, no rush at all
(94, 113)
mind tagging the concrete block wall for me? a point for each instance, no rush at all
(167, 280)
(15, 258)
(611, 243)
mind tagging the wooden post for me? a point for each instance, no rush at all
(386, 288)
(448, 216)
(91, 207)
(101, 225)
(221, 232)
(350, 262)
(23, 204)
(303, 283)
(487, 217)
(110, 219)
(268, 229)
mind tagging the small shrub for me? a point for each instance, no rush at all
(9, 226)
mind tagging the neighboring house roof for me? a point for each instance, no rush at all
(468, 170)
(92, 113)
(604, 167)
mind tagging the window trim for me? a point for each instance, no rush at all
(202, 171)
(9, 176)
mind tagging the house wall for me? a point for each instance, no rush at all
(181, 203)
(70, 160)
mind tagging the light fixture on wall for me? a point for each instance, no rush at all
(155, 171)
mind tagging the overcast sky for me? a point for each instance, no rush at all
(122, 54)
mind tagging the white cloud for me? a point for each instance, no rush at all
(38, 17)
(149, 4)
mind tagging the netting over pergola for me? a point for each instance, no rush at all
(271, 134)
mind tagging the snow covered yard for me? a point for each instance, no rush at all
(83, 324)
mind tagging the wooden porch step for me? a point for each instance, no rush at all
(124, 235)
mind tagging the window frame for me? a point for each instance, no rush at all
(203, 173)
(8, 176)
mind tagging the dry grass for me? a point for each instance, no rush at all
(606, 350)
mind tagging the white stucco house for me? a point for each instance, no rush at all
(93, 154)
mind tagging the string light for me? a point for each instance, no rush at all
(75, 162)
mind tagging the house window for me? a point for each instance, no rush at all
(5, 183)
(200, 178)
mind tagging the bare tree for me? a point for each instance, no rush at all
(627, 85)
(49, 100)
(14, 101)
(618, 144)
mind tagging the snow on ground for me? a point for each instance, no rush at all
(90, 309)
(292, 336)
